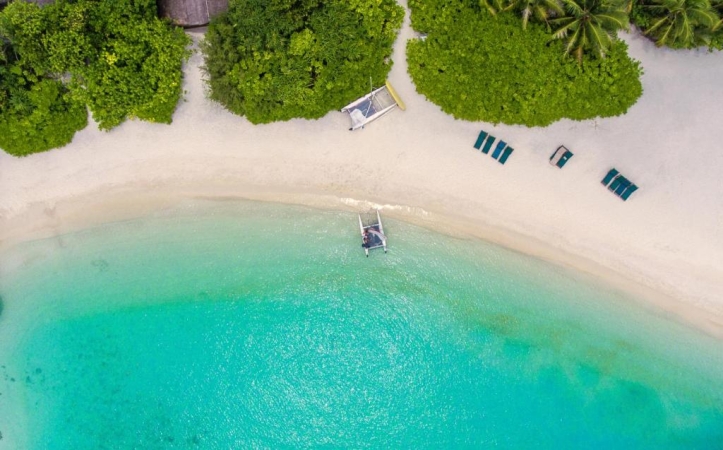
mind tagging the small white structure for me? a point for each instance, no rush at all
(372, 106)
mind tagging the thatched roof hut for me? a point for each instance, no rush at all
(186, 13)
(191, 13)
(4, 3)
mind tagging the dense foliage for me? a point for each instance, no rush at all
(681, 23)
(589, 25)
(36, 113)
(479, 67)
(585, 26)
(115, 56)
(133, 68)
(274, 60)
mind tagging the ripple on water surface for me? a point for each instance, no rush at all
(255, 325)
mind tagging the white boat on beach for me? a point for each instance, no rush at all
(372, 106)
(372, 232)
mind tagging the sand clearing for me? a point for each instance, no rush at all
(419, 165)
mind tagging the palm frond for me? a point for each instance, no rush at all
(573, 8)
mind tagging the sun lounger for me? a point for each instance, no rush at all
(624, 184)
(488, 144)
(616, 183)
(500, 146)
(563, 160)
(480, 139)
(506, 154)
(609, 177)
(632, 188)
(560, 157)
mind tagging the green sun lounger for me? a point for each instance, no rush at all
(480, 139)
(500, 146)
(624, 184)
(506, 154)
(609, 177)
(616, 183)
(488, 144)
(632, 188)
(563, 159)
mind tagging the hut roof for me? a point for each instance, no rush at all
(191, 13)
(4, 3)
(39, 2)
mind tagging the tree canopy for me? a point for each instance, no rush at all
(36, 111)
(273, 60)
(589, 25)
(680, 23)
(114, 57)
(479, 67)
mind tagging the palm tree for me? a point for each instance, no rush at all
(682, 23)
(540, 10)
(589, 25)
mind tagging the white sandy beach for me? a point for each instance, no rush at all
(665, 243)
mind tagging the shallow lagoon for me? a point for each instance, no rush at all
(241, 324)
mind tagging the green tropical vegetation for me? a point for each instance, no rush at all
(36, 114)
(538, 10)
(476, 66)
(589, 25)
(716, 41)
(113, 57)
(680, 23)
(272, 60)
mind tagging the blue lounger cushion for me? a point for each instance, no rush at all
(624, 184)
(609, 177)
(498, 150)
(480, 139)
(500, 146)
(506, 154)
(488, 144)
(567, 155)
(616, 182)
(632, 188)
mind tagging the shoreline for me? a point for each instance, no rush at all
(75, 214)
(664, 244)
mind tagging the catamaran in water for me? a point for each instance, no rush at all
(372, 232)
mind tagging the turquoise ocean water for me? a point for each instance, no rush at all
(251, 325)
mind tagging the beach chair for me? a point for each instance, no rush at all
(488, 144)
(506, 154)
(565, 157)
(560, 157)
(480, 139)
(616, 182)
(609, 177)
(624, 184)
(632, 188)
(500, 146)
